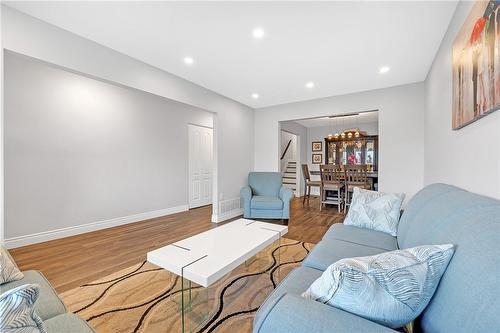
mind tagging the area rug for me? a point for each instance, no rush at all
(145, 298)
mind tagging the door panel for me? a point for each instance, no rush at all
(200, 165)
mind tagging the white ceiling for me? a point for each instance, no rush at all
(344, 121)
(337, 45)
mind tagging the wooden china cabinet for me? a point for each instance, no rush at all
(352, 147)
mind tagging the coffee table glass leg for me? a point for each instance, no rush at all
(194, 306)
(278, 261)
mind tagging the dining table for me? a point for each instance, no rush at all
(372, 177)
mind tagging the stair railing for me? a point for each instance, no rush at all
(286, 149)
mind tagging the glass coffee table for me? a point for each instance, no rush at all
(203, 259)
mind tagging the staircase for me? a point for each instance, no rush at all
(290, 176)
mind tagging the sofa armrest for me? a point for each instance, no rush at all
(293, 313)
(246, 197)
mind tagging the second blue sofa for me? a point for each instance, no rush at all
(467, 298)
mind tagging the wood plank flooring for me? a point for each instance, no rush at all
(72, 261)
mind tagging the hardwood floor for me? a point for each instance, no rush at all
(72, 261)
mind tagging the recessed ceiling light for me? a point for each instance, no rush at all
(258, 33)
(384, 69)
(188, 60)
(310, 85)
(255, 95)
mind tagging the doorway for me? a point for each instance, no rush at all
(289, 160)
(200, 165)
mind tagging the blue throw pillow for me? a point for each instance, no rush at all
(391, 288)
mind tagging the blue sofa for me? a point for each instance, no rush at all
(266, 197)
(467, 298)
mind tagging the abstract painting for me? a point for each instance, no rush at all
(476, 65)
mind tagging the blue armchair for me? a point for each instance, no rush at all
(266, 197)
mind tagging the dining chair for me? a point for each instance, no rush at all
(333, 180)
(356, 176)
(308, 183)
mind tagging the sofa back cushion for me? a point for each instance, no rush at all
(467, 298)
(265, 183)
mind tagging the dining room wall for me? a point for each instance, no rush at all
(401, 122)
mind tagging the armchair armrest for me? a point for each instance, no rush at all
(293, 313)
(246, 196)
(286, 195)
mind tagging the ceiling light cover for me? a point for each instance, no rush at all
(188, 60)
(258, 33)
(255, 95)
(384, 69)
(310, 85)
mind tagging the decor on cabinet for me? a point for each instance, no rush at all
(476, 65)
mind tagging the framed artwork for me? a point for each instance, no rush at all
(317, 146)
(317, 158)
(476, 65)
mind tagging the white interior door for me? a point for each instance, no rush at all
(200, 165)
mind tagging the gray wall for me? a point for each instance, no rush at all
(78, 150)
(470, 156)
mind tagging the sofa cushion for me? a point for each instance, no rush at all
(48, 304)
(265, 202)
(390, 288)
(329, 251)
(17, 310)
(361, 236)
(296, 282)
(68, 322)
(8, 268)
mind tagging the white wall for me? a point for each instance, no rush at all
(301, 133)
(80, 151)
(401, 112)
(469, 157)
(233, 122)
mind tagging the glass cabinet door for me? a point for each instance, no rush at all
(332, 153)
(370, 152)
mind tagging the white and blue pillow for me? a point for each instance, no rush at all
(17, 310)
(8, 269)
(391, 288)
(375, 210)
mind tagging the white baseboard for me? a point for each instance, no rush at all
(83, 228)
(216, 218)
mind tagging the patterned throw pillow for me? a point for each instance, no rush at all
(375, 210)
(17, 310)
(8, 269)
(391, 288)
